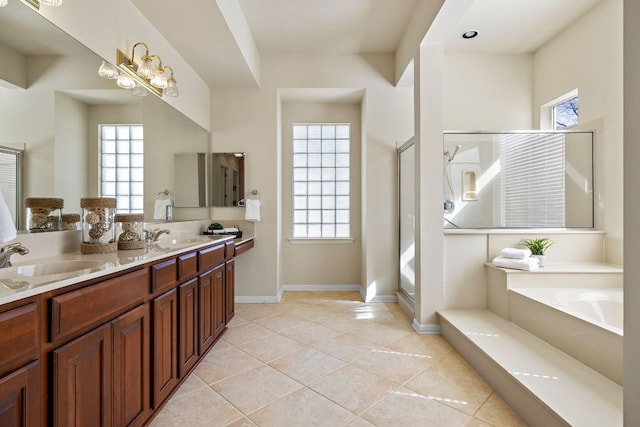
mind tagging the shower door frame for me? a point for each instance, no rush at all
(410, 143)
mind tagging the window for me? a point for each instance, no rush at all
(565, 114)
(321, 185)
(121, 166)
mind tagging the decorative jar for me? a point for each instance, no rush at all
(132, 231)
(70, 221)
(43, 213)
(98, 225)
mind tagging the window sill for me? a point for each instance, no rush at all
(315, 241)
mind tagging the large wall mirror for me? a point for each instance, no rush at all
(52, 101)
(227, 178)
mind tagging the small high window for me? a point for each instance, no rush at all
(121, 166)
(565, 114)
(321, 181)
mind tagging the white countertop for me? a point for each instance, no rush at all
(13, 289)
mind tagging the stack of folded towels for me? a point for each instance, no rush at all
(519, 259)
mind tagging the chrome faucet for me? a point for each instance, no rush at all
(152, 236)
(7, 251)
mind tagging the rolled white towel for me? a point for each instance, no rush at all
(516, 253)
(527, 264)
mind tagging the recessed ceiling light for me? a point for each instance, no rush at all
(469, 34)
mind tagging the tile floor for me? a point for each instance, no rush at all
(328, 359)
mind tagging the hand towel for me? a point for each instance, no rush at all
(7, 228)
(160, 208)
(527, 264)
(516, 253)
(252, 210)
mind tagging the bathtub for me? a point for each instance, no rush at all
(585, 323)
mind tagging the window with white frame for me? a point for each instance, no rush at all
(321, 181)
(560, 113)
(121, 166)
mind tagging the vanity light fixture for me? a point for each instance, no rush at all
(35, 3)
(172, 88)
(132, 74)
(139, 90)
(108, 71)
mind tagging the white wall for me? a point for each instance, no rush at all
(320, 263)
(248, 120)
(588, 56)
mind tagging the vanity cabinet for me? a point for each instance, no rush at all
(117, 347)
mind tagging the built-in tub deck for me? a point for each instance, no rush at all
(546, 386)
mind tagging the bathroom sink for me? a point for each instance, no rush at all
(183, 242)
(27, 276)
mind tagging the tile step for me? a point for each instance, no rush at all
(544, 385)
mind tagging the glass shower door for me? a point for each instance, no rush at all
(406, 215)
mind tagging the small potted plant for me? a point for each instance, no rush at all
(537, 247)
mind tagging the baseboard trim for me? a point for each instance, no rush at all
(320, 288)
(382, 298)
(426, 329)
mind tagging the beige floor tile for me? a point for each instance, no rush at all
(223, 364)
(245, 333)
(354, 388)
(257, 311)
(405, 408)
(271, 347)
(307, 365)
(359, 422)
(256, 388)
(433, 346)
(475, 422)
(497, 413)
(310, 333)
(343, 322)
(381, 334)
(220, 345)
(191, 384)
(302, 408)
(346, 347)
(242, 422)
(281, 321)
(462, 390)
(204, 408)
(310, 312)
(396, 366)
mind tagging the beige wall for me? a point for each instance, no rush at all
(320, 263)
(588, 56)
(249, 120)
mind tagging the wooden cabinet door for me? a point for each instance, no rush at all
(218, 300)
(82, 372)
(229, 291)
(188, 326)
(20, 397)
(131, 367)
(206, 335)
(165, 345)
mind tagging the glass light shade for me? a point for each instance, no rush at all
(139, 90)
(3, 3)
(107, 70)
(126, 82)
(51, 2)
(172, 88)
(159, 80)
(145, 70)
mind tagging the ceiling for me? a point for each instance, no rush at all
(347, 26)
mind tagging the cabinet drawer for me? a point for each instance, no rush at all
(211, 256)
(95, 304)
(19, 337)
(243, 247)
(164, 275)
(187, 266)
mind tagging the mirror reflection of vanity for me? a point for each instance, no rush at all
(52, 102)
(228, 178)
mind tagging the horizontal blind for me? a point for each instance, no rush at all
(532, 180)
